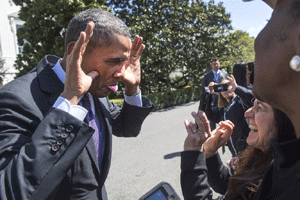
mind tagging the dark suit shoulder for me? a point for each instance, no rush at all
(21, 83)
(208, 73)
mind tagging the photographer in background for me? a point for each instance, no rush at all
(250, 74)
(213, 76)
(233, 101)
(239, 72)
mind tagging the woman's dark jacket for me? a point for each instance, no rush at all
(234, 112)
(281, 181)
(195, 173)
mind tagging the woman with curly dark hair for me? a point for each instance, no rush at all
(202, 168)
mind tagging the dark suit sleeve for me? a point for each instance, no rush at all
(35, 151)
(193, 176)
(218, 174)
(206, 80)
(246, 95)
(127, 122)
(213, 114)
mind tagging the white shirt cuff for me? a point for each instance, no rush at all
(134, 100)
(75, 110)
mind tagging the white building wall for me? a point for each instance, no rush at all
(8, 39)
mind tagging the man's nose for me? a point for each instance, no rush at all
(118, 70)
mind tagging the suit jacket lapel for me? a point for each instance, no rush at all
(212, 77)
(103, 114)
(49, 82)
(92, 152)
(102, 109)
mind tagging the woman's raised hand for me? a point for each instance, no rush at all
(218, 138)
(197, 132)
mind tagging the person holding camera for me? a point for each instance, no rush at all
(215, 75)
(233, 101)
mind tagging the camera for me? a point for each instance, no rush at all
(220, 88)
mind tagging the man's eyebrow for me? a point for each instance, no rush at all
(118, 59)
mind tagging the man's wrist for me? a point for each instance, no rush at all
(133, 91)
(73, 99)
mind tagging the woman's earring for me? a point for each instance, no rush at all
(295, 63)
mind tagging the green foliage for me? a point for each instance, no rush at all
(168, 99)
(245, 47)
(2, 71)
(175, 97)
(179, 36)
(45, 27)
(119, 102)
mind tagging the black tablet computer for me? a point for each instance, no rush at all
(162, 191)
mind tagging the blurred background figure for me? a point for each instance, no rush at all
(215, 75)
(232, 104)
(239, 73)
(250, 74)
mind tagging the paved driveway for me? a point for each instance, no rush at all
(138, 164)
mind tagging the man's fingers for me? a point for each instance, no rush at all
(78, 47)
(89, 29)
(140, 51)
(84, 39)
(137, 46)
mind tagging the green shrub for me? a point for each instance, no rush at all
(119, 102)
(170, 98)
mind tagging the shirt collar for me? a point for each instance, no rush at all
(216, 72)
(59, 71)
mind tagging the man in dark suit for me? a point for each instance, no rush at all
(213, 76)
(56, 122)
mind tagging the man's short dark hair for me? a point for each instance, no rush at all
(106, 24)
(214, 60)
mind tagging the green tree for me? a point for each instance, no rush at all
(2, 71)
(246, 53)
(44, 28)
(181, 38)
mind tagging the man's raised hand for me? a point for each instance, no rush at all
(132, 70)
(77, 82)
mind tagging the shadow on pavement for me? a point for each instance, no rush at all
(172, 155)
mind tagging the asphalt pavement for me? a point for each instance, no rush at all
(140, 163)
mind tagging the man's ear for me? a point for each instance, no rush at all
(70, 47)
